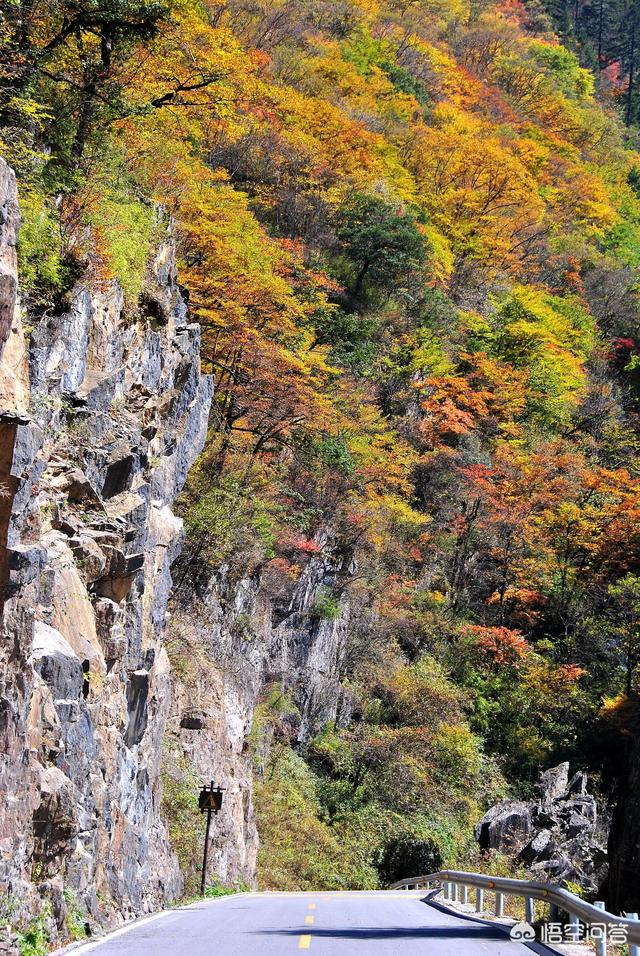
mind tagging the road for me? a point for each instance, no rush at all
(325, 924)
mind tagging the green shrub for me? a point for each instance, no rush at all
(75, 918)
(180, 788)
(215, 890)
(39, 246)
(33, 939)
(123, 229)
(326, 607)
(299, 851)
(273, 714)
(224, 520)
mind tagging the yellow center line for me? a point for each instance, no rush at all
(305, 942)
(312, 906)
(309, 920)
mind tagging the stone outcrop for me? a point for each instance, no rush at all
(559, 835)
(230, 640)
(89, 470)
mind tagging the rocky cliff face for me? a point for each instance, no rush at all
(102, 413)
(230, 640)
(560, 835)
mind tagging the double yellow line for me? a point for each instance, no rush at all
(305, 941)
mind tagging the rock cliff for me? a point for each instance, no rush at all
(230, 640)
(103, 410)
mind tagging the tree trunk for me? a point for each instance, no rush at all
(632, 65)
(622, 888)
(85, 121)
(600, 32)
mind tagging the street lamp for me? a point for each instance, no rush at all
(209, 801)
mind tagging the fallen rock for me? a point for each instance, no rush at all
(540, 848)
(553, 783)
(78, 488)
(557, 834)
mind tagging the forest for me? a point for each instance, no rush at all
(410, 231)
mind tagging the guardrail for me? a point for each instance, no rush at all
(559, 900)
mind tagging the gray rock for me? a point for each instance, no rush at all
(137, 696)
(540, 848)
(90, 533)
(79, 489)
(56, 662)
(553, 782)
(578, 784)
(89, 556)
(505, 826)
(9, 222)
(557, 835)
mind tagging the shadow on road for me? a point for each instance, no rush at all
(392, 932)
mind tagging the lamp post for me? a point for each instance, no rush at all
(209, 801)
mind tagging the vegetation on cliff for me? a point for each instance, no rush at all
(411, 233)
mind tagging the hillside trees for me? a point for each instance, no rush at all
(606, 33)
(76, 49)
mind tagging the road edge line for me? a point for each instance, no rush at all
(542, 949)
(85, 946)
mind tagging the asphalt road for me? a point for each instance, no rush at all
(325, 924)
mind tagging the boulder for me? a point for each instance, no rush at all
(505, 826)
(541, 847)
(89, 557)
(553, 783)
(79, 489)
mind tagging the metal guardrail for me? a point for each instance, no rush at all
(557, 898)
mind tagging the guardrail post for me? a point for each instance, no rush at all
(456, 889)
(574, 923)
(529, 910)
(634, 950)
(554, 913)
(601, 944)
(465, 894)
(499, 904)
(449, 891)
(479, 900)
